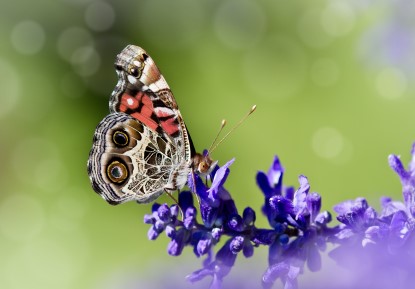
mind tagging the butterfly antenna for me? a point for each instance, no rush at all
(222, 125)
(253, 108)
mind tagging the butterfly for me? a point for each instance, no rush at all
(142, 148)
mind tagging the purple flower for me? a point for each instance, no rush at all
(284, 271)
(278, 199)
(218, 268)
(407, 178)
(292, 215)
(162, 218)
(401, 215)
(298, 230)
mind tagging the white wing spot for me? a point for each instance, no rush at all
(130, 102)
(132, 79)
(164, 111)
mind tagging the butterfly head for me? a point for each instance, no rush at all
(203, 164)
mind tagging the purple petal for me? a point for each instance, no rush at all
(155, 207)
(209, 214)
(152, 234)
(225, 255)
(275, 172)
(174, 211)
(185, 200)
(248, 249)
(191, 179)
(170, 231)
(398, 221)
(320, 242)
(190, 212)
(371, 235)
(236, 223)
(228, 208)
(263, 183)
(248, 216)
(313, 259)
(345, 234)
(158, 226)
(216, 282)
(216, 233)
(203, 246)
(399, 230)
(313, 204)
(281, 205)
(177, 244)
(216, 269)
(208, 259)
(370, 215)
(219, 179)
(149, 219)
(236, 244)
(412, 163)
(300, 195)
(304, 185)
(274, 272)
(289, 193)
(264, 237)
(199, 275)
(396, 164)
(164, 212)
(202, 190)
(358, 206)
(291, 281)
(344, 207)
(385, 201)
(323, 218)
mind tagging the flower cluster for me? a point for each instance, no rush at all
(298, 231)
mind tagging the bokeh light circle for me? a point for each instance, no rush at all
(99, 16)
(86, 61)
(311, 31)
(391, 83)
(179, 23)
(28, 37)
(239, 23)
(338, 18)
(71, 39)
(327, 142)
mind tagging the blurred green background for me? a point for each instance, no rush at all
(332, 81)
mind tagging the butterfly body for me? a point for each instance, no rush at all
(142, 148)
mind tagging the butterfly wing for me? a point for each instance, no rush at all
(129, 161)
(142, 148)
(143, 93)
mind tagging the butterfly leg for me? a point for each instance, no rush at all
(176, 202)
(194, 187)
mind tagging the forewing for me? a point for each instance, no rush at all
(143, 93)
